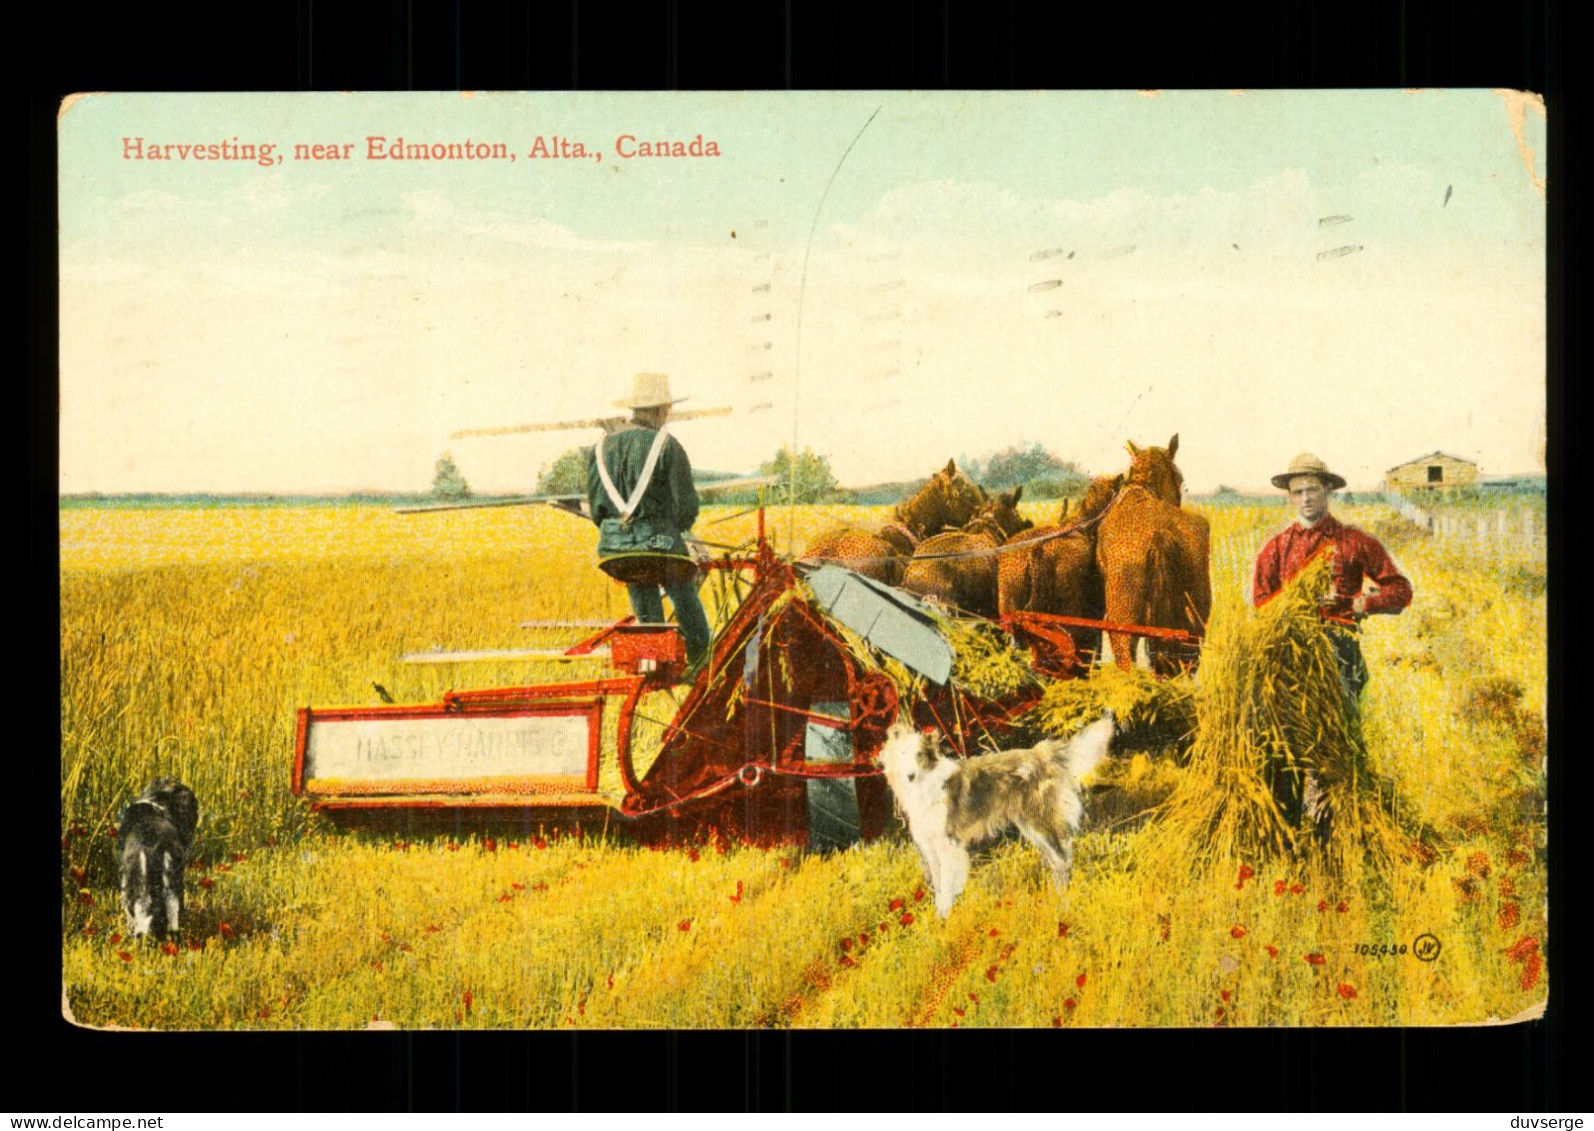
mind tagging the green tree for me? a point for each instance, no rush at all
(567, 475)
(814, 481)
(1041, 474)
(447, 482)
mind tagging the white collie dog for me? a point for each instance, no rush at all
(951, 803)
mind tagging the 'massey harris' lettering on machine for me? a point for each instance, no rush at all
(400, 752)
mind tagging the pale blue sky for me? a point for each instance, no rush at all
(1075, 269)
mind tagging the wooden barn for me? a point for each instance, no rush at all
(1436, 471)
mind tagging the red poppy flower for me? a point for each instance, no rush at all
(506, 897)
(1062, 930)
(1237, 931)
(863, 938)
(466, 999)
(384, 936)
(124, 956)
(540, 843)
(433, 928)
(169, 949)
(512, 845)
(1221, 1011)
(896, 905)
(196, 945)
(540, 885)
(846, 960)
(611, 981)
(907, 919)
(85, 898)
(693, 855)
(114, 939)
(91, 930)
(737, 898)
(1246, 872)
(1226, 994)
(517, 886)
(1069, 1003)
(882, 925)
(223, 867)
(975, 998)
(265, 1012)
(1272, 951)
(225, 930)
(1278, 887)
(1509, 915)
(1316, 959)
(960, 1011)
(1345, 991)
(1478, 865)
(1530, 971)
(993, 933)
(376, 964)
(206, 882)
(684, 925)
(111, 833)
(452, 847)
(1322, 905)
(918, 896)
(1057, 1022)
(1080, 981)
(238, 857)
(990, 973)
(79, 875)
(1297, 889)
(1342, 907)
(1522, 948)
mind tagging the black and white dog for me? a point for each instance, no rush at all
(156, 833)
(951, 803)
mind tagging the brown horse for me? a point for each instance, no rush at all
(967, 583)
(1052, 569)
(949, 499)
(1153, 559)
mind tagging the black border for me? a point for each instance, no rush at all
(605, 44)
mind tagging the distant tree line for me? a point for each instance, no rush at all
(807, 477)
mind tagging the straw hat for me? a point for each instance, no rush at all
(1308, 464)
(649, 390)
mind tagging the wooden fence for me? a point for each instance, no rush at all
(1507, 526)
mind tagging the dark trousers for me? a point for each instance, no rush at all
(1352, 667)
(647, 602)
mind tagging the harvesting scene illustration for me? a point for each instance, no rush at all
(625, 561)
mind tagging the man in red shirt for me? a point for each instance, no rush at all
(1358, 558)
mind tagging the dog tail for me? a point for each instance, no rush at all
(1084, 752)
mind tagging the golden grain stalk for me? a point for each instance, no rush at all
(1275, 718)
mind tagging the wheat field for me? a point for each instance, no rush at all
(190, 636)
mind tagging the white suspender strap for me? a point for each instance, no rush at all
(627, 507)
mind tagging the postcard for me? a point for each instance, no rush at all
(803, 560)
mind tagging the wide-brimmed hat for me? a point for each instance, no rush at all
(649, 390)
(1308, 464)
